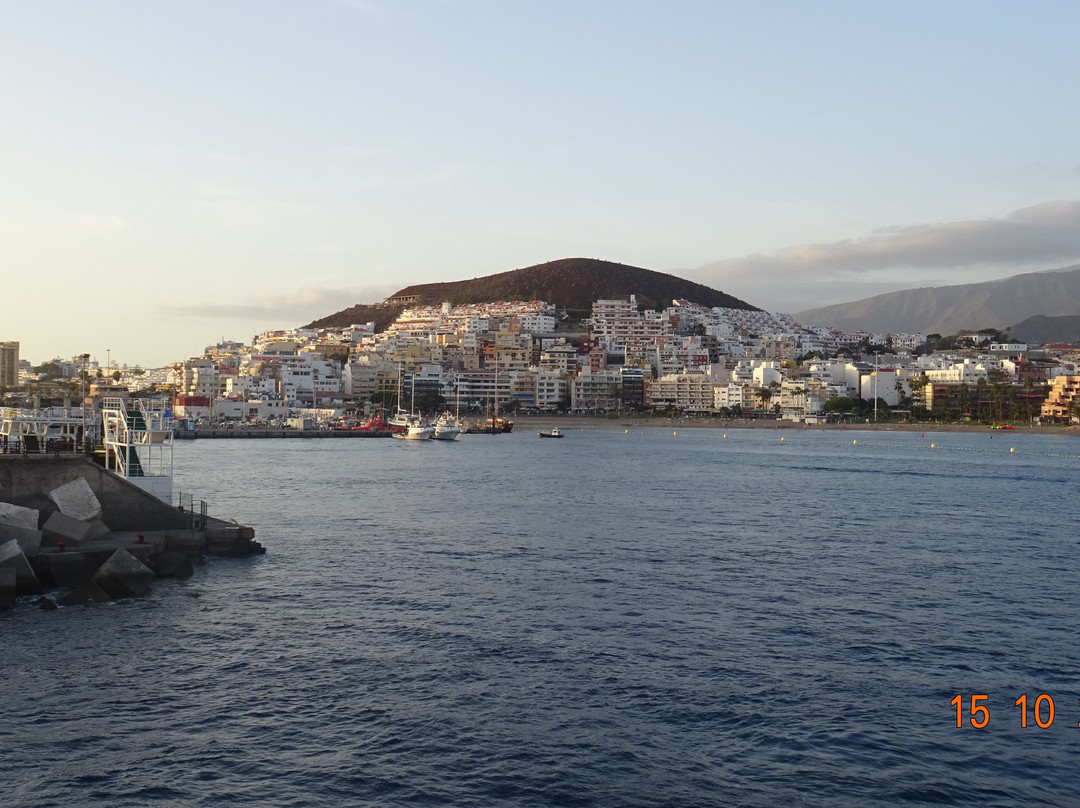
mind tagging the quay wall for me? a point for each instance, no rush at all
(280, 433)
(27, 481)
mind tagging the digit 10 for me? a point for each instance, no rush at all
(977, 709)
(1022, 704)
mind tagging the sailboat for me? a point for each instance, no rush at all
(407, 425)
(448, 427)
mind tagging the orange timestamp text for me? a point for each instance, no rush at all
(975, 707)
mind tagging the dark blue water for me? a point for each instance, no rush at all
(613, 619)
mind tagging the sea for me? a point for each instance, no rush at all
(623, 617)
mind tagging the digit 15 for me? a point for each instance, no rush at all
(980, 713)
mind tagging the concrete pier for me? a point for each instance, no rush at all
(125, 538)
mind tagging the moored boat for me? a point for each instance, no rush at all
(446, 428)
(551, 433)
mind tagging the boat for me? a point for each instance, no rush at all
(551, 433)
(493, 426)
(408, 425)
(446, 428)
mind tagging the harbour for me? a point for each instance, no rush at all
(703, 618)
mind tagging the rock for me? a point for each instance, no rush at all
(76, 499)
(18, 516)
(45, 604)
(66, 529)
(7, 588)
(11, 557)
(29, 540)
(123, 575)
(87, 592)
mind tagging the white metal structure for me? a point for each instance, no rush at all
(139, 443)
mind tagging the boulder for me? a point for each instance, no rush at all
(123, 575)
(12, 557)
(87, 592)
(7, 588)
(18, 516)
(29, 540)
(76, 499)
(66, 529)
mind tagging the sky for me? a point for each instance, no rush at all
(175, 173)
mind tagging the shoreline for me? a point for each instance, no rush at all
(529, 422)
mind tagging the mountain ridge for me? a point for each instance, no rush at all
(999, 304)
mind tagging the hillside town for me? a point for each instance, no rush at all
(531, 357)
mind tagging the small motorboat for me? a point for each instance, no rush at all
(551, 433)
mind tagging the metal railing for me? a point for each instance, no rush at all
(195, 509)
(30, 445)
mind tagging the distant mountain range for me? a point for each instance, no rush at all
(570, 283)
(1044, 304)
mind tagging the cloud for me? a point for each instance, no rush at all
(1043, 233)
(894, 258)
(301, 305)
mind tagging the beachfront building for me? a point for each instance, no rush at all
(596, 392)
(686, 392)
(1062, 399)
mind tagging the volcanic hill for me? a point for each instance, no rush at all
(569, 283)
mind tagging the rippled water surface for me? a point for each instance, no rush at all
(619, 618)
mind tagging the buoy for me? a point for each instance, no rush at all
(1013, 451)
(854, 443)
(781, 440)
(673, 434)
(931, 446)
(725, 436)
(626, 431)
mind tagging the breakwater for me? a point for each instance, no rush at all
(68, 524)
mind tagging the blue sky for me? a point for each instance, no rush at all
(174, 173)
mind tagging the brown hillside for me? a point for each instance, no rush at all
(570, 283)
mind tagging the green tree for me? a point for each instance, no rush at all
(840, 404)
(49, 371)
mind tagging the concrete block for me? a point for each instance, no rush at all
(76, 499)
(88, 592)
(123, 575)
(98, 530)
(175, 565)
(18, 516)
(11, 556)
(66, 529)
(29, 540)
(7, 588)
(65, 569)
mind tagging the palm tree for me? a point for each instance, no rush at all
(763, 394)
